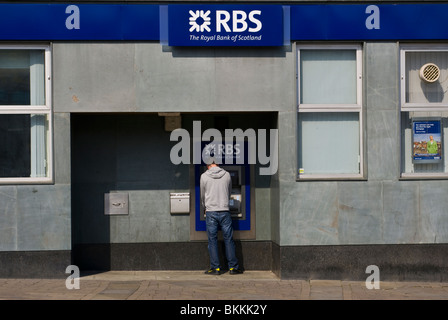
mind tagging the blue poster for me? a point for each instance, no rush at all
(427, 141)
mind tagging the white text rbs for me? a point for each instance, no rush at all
(239, 21)
(233, 21)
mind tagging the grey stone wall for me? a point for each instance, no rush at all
(383, 209)
(37, 217)
(148, 78)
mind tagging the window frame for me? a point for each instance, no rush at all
(432, 108)
(45, 109)
(333, 108)
(417, 106)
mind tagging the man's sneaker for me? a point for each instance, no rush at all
(235, 271)
(216, 271)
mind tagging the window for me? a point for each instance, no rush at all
(329, 112)
(25, 114)
(424, 111)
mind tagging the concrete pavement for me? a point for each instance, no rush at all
(194, 285)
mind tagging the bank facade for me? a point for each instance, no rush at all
(347, 98)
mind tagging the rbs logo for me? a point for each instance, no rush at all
(234, 21)
(225, 25)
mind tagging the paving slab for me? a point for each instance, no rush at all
(197, 286)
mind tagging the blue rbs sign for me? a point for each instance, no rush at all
(222, 24)
(239, 25)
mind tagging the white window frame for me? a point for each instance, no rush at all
(433, 108)
(414, 106)
(329, 108)
(45, 109)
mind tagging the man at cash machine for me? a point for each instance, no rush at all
(216, 186)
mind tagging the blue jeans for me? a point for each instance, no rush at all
(213, 220)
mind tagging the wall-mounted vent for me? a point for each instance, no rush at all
(429, 72)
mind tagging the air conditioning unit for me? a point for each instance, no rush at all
(429, 72)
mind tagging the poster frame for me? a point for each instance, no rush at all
(436, 131)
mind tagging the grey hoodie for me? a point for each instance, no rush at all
(216, 186)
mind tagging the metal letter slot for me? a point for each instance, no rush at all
(116, 203)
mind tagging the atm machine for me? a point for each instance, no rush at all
(240, 199)
(238, 193)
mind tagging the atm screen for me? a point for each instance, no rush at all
(234, 177)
